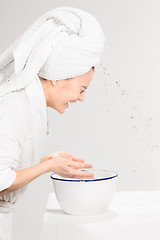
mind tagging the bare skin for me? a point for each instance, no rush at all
(57, 95)
(63, 163)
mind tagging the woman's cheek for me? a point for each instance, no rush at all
(75, 96)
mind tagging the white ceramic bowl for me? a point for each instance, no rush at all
(87, 196)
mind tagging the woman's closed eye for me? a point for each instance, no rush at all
(82, 91)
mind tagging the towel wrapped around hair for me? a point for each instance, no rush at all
(63, 43)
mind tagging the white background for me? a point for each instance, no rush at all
(118, 125)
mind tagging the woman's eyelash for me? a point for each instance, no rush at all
(82, 91)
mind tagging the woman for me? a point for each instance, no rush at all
(50, 65)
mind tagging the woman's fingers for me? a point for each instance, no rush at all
(64, 154)
(78, 159)
(61, 154)
(66, 165)
(81, 174)
(77, 165)
(88, 165)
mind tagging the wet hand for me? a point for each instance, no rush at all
(67, 165)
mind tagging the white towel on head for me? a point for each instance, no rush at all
(64, 42)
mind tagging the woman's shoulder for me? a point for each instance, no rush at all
(12, 102)
(13, 110)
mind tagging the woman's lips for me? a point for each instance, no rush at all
(67, 105)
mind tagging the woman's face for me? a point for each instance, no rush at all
(62, 92)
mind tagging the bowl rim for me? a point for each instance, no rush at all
(86, 180)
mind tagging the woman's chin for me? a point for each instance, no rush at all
(62, 109)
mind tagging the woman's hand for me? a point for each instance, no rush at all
(62, 163)
(66, 165)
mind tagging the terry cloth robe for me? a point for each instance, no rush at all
(23, 131)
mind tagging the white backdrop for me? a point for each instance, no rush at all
(118, 125)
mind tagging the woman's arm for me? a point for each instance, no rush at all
(62, 163)
(25, 176)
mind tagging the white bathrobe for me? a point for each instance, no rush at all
(23, 131)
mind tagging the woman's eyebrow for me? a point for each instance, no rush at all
(85, 87)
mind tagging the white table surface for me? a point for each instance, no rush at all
(131, 215)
